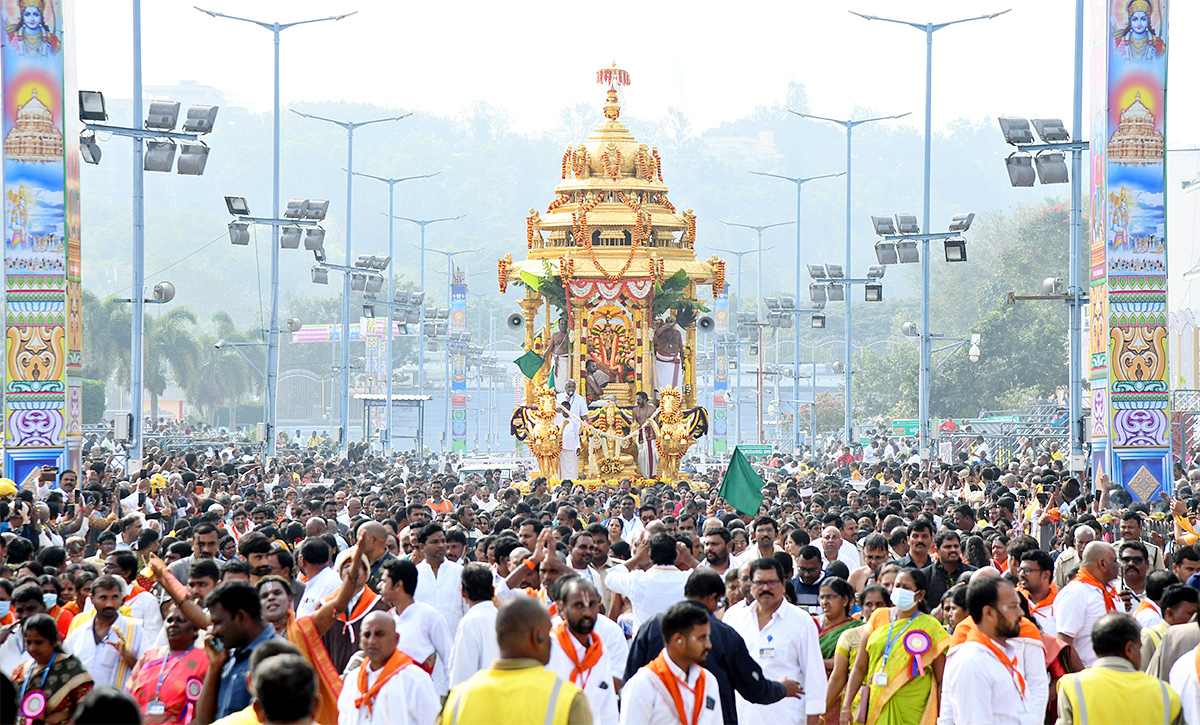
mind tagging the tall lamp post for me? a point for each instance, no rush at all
(391, 184)
(848, 124)
(799, 181)
(349, 126)
(450, 255)
(273, 331)
(737, 415)
(421, 339)
(926, 355)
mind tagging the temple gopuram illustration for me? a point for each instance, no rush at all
(613, 295)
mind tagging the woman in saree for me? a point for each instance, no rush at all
(900, 658)
(836, 597)
(50, 687)
(166, 681)
(846, 650)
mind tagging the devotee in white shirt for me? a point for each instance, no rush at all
(1086, 599)
(387, 688)
(653, 590)
(106, 642)
(649, 698)
(783, 640)
(985, 677)
(475, 645)
(422, 630)
(577, 651)
(322, 580)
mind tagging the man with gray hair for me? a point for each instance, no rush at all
(1071, 557)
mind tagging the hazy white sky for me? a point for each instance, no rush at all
(715, 61)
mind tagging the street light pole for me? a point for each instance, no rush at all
(349, 126)
(1075, 325)
(421, 323)
(273, 331)
(799, 181)
(926, 354)
(138, 344)
(391, 184)
(849, 125)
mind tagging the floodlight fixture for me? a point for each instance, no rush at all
(416, 298)
(443, 313)
(430, 329)
(162, 116)
(1051, 130)
(787, 302)
(369, 311)
(160, 155)
(295, 209)
(773, 319)
(314, 239)
(200, 119)
(885, 252)
(818, 321)
(955, 249)
(772, 303)
(316, 209)
(413, 316)
(962, 222)
(835, 271)
(884, 226)
(219, 344)
(364, 261)
(876, 271)
(193, 156)
(319, 255)
(1015, 130)
(816, 292)
(1020, 169)
(89, 148)
(358, 281)
(873, 292)
(1051, 168)
(816, 271)
(289, 237)
(836, 292)
(320, 275)
(237, 205)
(907, 224)
(441, 328)
(909, 329)
(400, 297)
(239, 233)
(401, 326)
(907, 252)
(374, 283)
(91, 106)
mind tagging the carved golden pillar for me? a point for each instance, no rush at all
(689, 358)
(579, 349)
(529, 306)
(645, 334)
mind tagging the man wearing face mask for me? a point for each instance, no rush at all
(26, 602)
(1087, 598)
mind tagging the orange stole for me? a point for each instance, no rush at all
(303, 633)
(1029, 631)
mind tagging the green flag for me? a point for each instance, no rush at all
(550, 380)
(530, 363)
(741, 486)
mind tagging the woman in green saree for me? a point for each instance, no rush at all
(871, 598)
(900, 657)
(836, 597)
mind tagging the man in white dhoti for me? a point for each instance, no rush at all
(642, 412)
(570, 402)
(668, 355)
(558, 354)
(388, 687)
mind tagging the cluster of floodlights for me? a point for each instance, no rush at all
(1050, 163)
(781, 310)
(834, 291)
(304, 212)
(159, 133)
(899, 243)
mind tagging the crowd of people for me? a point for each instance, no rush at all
(212, 586)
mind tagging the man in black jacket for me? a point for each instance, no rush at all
(729, 661)
(943, 573)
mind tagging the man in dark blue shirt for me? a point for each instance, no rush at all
(807, 581)
(238, 625)
(729, 661)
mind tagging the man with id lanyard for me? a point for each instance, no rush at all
(783, 640)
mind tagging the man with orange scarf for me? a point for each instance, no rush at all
(1087, 598)
(387, 688)
(577, 652)
(674, 687)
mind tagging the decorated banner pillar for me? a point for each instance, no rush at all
(43, 308)
(458, 365)
(720, 416)
(1131, 438)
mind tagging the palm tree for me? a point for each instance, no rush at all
(221, 376)
(106, 331)
(172, 352)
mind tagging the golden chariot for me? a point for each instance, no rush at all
(610, 255)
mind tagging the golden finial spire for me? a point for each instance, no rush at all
(615, 78)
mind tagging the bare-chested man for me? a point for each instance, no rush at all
(642, 411)
(558, 354)
(668, 358)
(595, 378)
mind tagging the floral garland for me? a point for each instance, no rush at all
(579, 161)
(691, 229)
(529, 230)
(657, 162)
(661, 198)
(612, 170)
(719, 283)
(579, 224)
(645, 169)
(502, 267)
(566, 162)
(562, 199)
(566, 269)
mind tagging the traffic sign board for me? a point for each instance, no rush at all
(756, 450)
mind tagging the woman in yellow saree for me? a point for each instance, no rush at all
(900, 658)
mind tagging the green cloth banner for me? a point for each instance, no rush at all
(741, 486)
(530, 363)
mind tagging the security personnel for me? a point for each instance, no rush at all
(1113, 691)
(518, 688)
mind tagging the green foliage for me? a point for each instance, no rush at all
(670, 294)
(94, 401)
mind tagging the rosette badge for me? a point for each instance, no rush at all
(917, 643)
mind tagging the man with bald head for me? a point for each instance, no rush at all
(387, 687)
(518, 687)
(1070, 558)
(1087, 598)
(372, 542)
